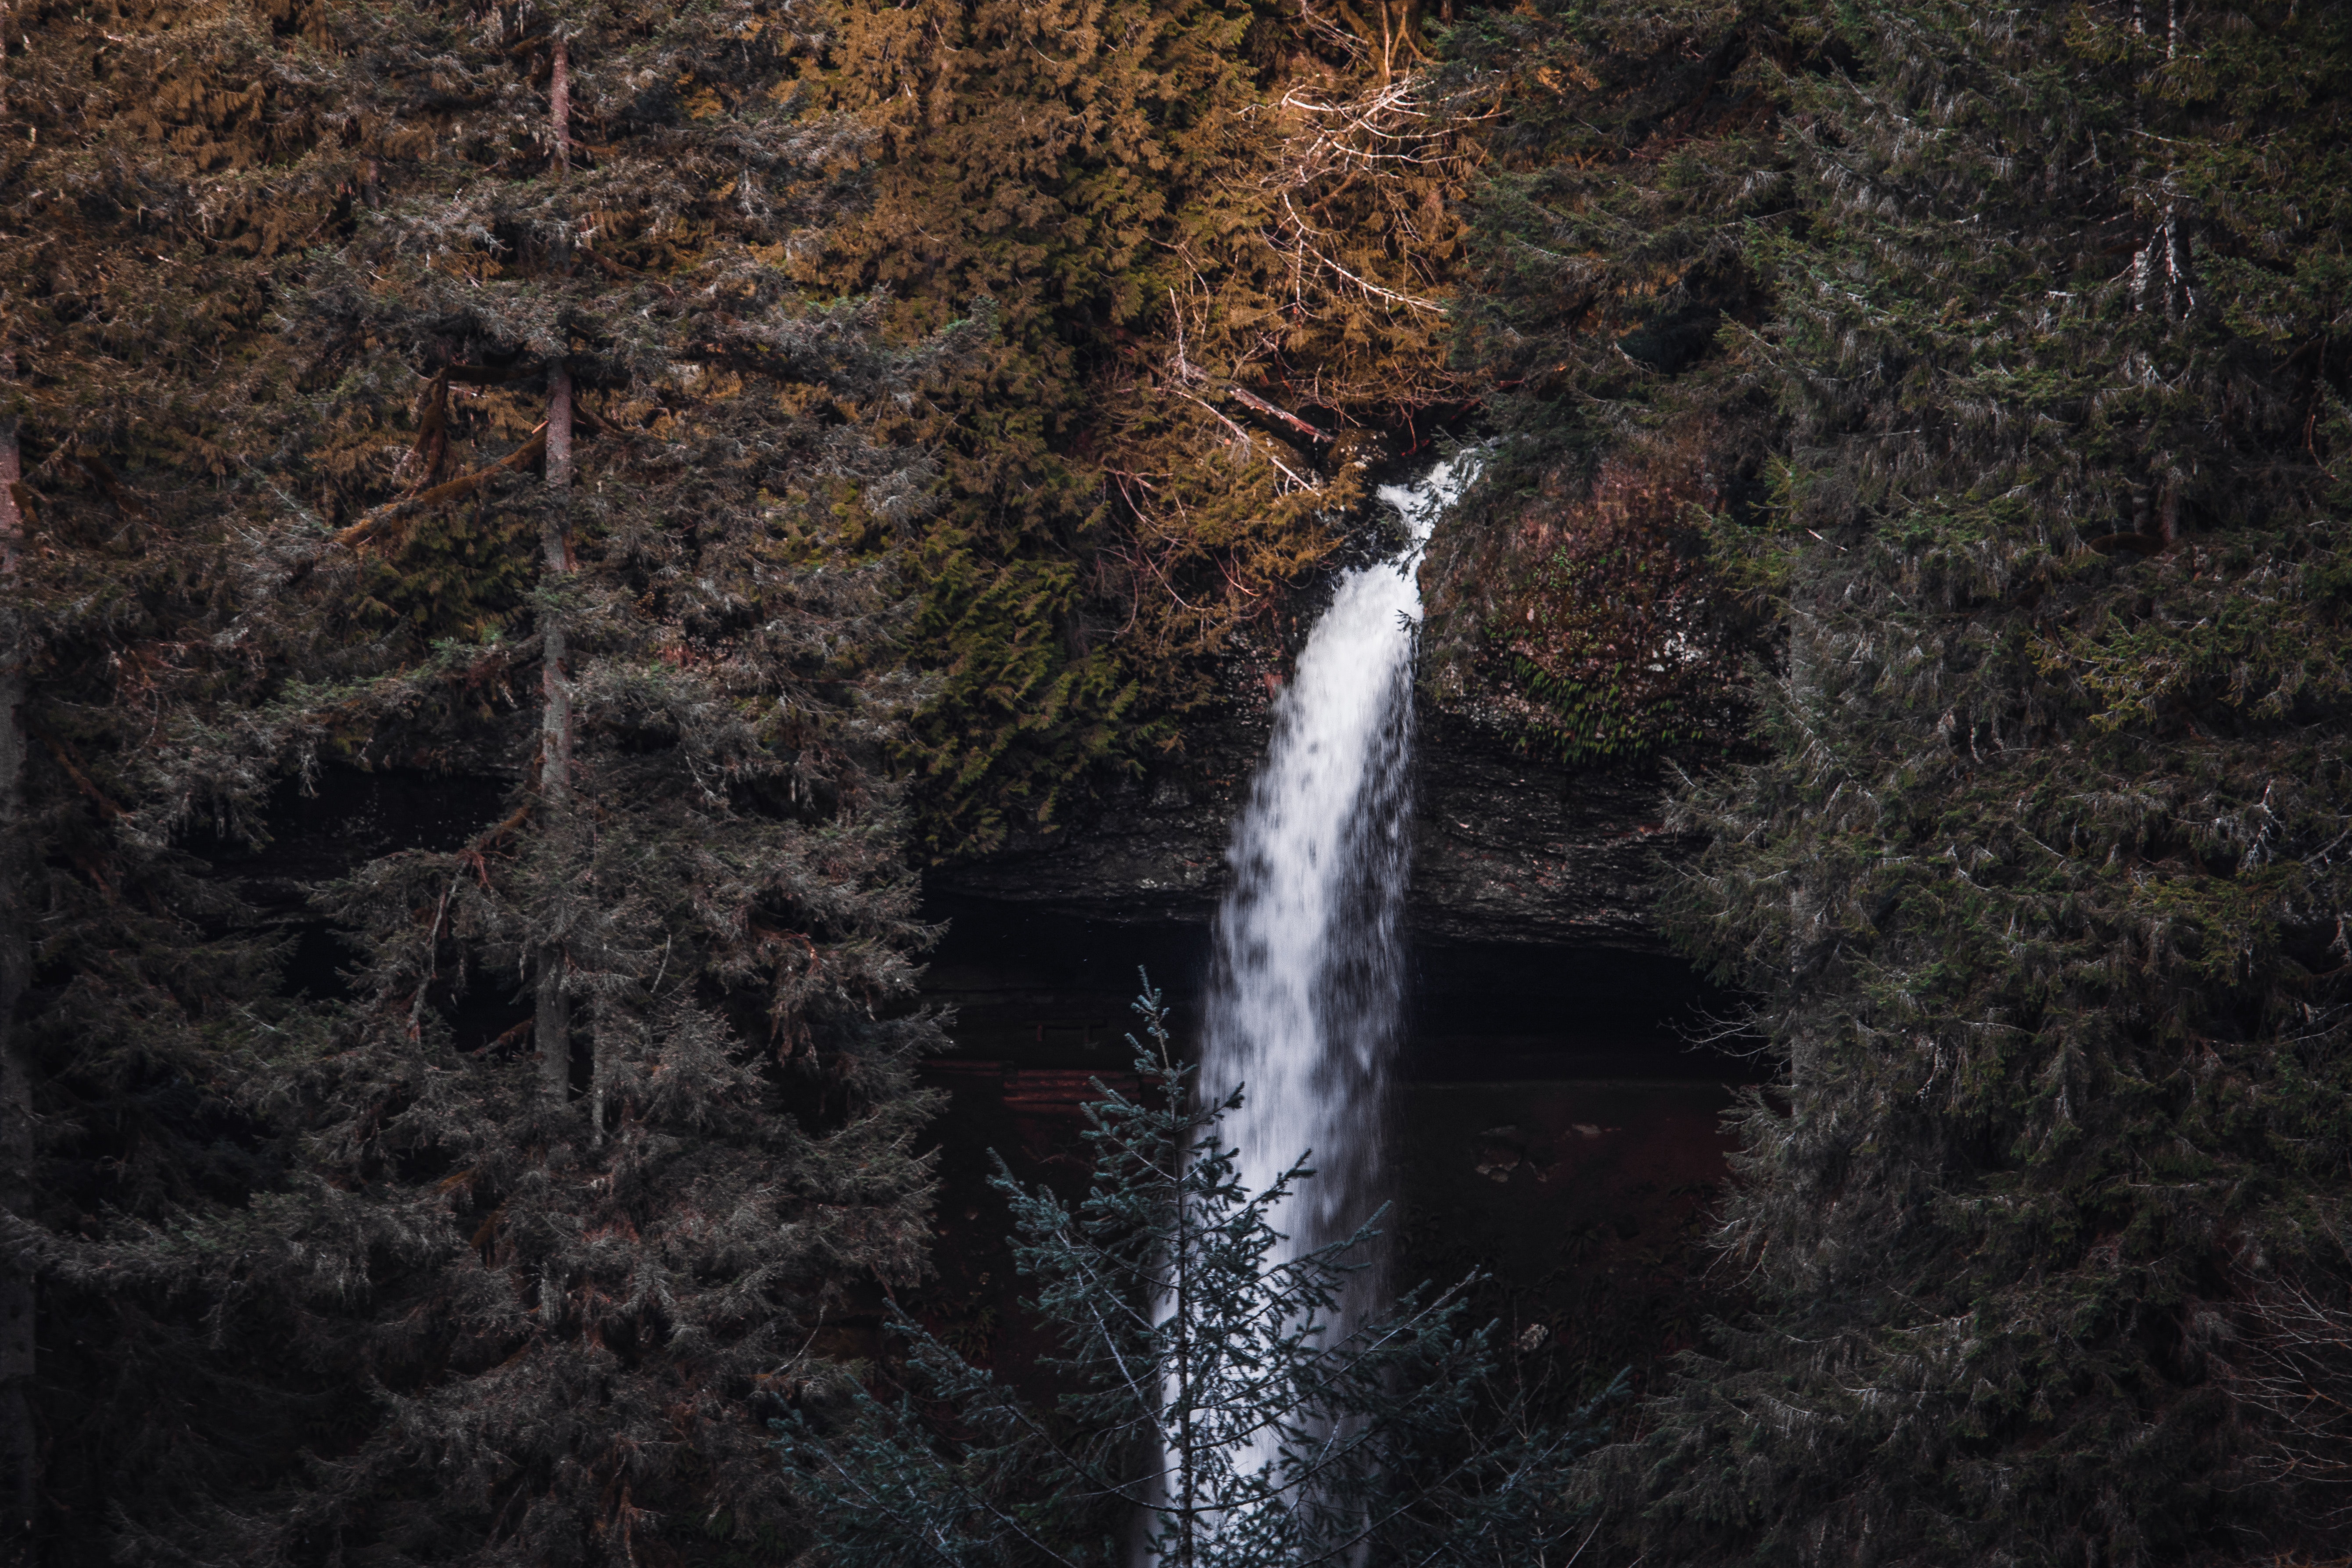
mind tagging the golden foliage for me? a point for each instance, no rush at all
(1219, 241)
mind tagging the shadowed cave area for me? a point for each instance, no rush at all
(1555, 1122)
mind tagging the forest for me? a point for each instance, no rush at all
(538, 536)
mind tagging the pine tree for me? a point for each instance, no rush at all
(621, 1109)
(162, 167)
(2040, 881)
(1215, 1410)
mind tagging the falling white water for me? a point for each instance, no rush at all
(1307, 984)
(1307, 987)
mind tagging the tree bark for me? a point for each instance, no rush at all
(18, 1440)
(559, 103)
(551, 1023)
(551, 1020)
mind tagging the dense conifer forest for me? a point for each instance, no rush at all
(530, 528)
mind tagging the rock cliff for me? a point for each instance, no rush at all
(1506, 850)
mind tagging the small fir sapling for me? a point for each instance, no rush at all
(1212, 1403)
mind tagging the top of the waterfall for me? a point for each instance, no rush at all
(1422, 500)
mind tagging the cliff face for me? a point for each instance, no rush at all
(1506, 850)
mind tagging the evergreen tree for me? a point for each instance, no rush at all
(1612, 285)
(1220, 238)
(162, 167)
(1212, 1402)
(2041, 882)
(621, 1108)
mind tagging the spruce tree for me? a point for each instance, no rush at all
(2041, 882)
(161, 168)
(1215, 1410)
(620, 1110)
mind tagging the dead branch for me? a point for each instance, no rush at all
(455, 489)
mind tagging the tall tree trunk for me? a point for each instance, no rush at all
(559, 103)
(552, 1021)
(18, 1445)
(552, 1025)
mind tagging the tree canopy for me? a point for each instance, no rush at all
(2027, 327)
(703, 463)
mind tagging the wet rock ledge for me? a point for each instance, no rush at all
(1506, 851)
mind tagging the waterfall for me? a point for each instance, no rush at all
(1307, 987)
(1307, 984)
